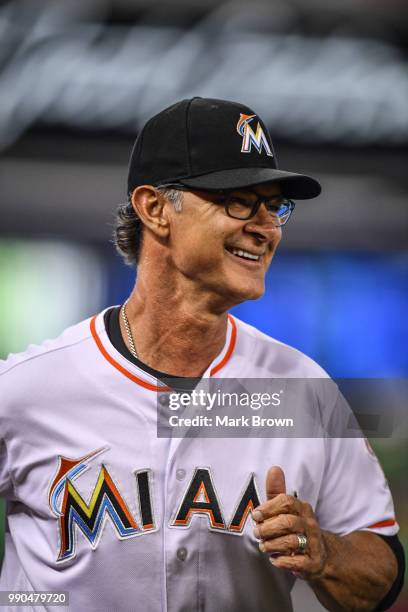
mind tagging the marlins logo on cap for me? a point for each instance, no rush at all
(249, 137)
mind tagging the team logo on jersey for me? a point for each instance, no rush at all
(106, 502)
(201, 498)
(248, 500)
(249, 137)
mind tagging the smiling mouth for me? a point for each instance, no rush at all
(243, 254)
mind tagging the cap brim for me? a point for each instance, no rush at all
(297, 186)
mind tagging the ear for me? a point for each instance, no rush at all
(149, 205)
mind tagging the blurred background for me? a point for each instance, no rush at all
(79, 78)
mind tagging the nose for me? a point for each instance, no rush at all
(264, 225)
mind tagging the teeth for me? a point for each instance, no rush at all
(245, 254)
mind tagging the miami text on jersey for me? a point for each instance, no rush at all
(106, 502)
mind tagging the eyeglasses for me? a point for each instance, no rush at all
(244, 208)
(239, 207)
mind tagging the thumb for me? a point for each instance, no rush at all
(275, 482)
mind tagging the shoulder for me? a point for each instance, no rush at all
(273, 357)
(47, 379)
(37, 358)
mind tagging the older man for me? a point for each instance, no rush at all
(98, 504)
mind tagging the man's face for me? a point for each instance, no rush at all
(211, 249)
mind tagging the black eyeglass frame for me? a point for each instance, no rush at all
(253, 210)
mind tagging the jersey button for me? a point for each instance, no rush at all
(163, 399)
(180, 474)
(182, 554)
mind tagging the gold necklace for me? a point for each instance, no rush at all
(129, 334)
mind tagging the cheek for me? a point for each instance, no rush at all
(277, 237)
(197, 248)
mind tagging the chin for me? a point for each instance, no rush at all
(248, 293)
(255, 295)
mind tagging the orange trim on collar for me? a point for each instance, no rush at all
(118, 366)
(386, 523)
(230, 349)
(150, 386)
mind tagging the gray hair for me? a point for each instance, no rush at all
(128, 230)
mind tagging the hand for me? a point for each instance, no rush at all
(279, 520)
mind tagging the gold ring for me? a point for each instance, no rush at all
(302, 542)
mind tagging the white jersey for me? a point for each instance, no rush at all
(99, 506)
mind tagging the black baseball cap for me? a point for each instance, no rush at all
(210, 144)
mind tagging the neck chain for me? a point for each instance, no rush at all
(129, 334)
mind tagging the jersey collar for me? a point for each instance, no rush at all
(139, 376)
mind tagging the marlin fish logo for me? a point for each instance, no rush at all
(249, 137)
(90, 517)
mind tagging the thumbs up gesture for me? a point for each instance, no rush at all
(288, 530)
